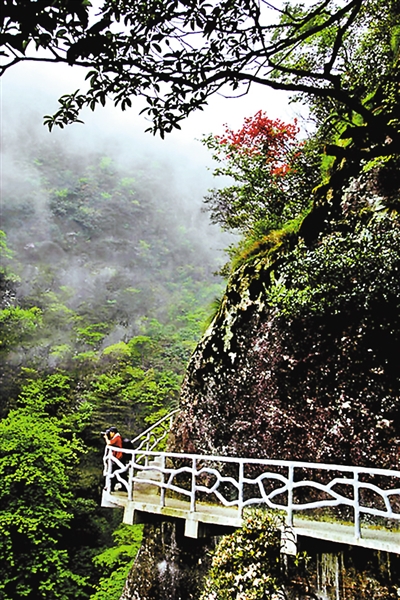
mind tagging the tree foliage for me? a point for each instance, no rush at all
(246, 565)
(17, 325)
(115, 562)
(271, 172)
(127, 394)
(177, 54)
(347, 273)
(37, 455)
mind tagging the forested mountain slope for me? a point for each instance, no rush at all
(106, 280)
(105, 255)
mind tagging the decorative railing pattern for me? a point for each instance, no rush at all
(360, 493)
(155, 434)
(150, 439)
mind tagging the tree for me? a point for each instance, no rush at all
(126, 394)
(115, 562)
(178, 53)
(247, 564)
(37, 453)
(16, 323)
(271, 171)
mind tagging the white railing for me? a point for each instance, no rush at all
(148, 440)
(152, 437)
(289, 486)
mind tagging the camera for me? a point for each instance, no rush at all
(108, 431)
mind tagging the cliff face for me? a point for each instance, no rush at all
(169, 565)
(221, 411)
(172, 567)
(317, 385)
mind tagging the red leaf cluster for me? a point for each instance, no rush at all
(261, 135)
(271, 140)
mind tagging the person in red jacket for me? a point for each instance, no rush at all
(114, 439)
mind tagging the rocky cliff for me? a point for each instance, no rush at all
(313, 374)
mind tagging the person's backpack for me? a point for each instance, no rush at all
(127, 445)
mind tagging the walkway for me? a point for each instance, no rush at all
(344, 504)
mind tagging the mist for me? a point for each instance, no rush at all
(167, 178)
(30, 90)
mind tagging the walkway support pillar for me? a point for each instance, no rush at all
(129, 514)
(191, 528)
(289, 516)
(193, 487)
(288, 541)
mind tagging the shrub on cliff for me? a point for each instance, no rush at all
(246, 564)
(271, 173)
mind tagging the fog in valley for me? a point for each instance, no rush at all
(98, 253)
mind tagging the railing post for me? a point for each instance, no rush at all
(162, 490)
(240, 482)
(146, 460)
(357, 525)
(130, 477)
(193, 488)
(289, 518)
(108, 460)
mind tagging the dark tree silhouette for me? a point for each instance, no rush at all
(177, 53)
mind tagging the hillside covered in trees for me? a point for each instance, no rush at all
(107, 277)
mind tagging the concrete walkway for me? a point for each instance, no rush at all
(372, 537)
(147, 501)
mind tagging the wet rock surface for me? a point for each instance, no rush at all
(169, 565)
(316, 388)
